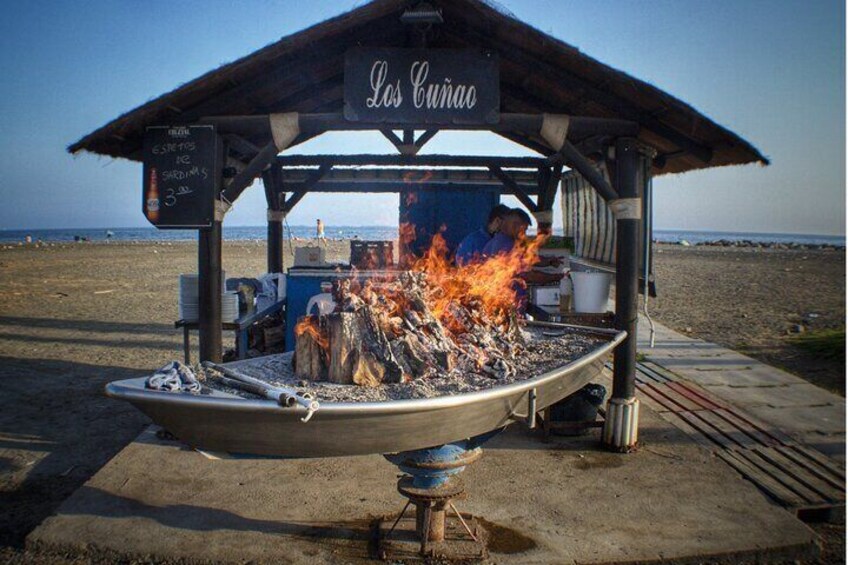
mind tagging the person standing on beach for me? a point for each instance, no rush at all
(319, 229)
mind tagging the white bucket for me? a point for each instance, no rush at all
(591, 292)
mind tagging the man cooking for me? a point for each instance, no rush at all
(513, 232)
(471, 247)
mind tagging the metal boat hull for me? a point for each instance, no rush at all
(225, 423)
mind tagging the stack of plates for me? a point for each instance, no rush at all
(229, 306)
(189, 300)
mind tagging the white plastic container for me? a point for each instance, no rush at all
(324, 302)
(591, 292)
(310, 256)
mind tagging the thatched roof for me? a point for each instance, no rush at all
(304, 72)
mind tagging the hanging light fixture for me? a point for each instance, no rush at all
(422, 13)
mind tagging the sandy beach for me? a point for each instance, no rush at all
(75, 316)
(755, 301)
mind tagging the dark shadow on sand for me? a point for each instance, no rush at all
(97, 502)
(86, 325)
(58, 428)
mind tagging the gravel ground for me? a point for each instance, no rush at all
(74, 317)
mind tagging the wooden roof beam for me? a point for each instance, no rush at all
(410, 160)
(527, 179)
(513, 187)
(508, 122)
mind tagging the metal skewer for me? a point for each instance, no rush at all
(283, 396)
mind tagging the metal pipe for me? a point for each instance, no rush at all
(531, 409)
(646, 241)
(281, 395)
(626, 271)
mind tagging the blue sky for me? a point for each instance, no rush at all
(773, 72)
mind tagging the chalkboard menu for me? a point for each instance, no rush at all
(422, 86)
(182, 167)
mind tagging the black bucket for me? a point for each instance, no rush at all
(578, 410)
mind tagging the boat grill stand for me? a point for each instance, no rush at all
(431, 484)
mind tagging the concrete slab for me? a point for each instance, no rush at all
(808, 413)
(784, 396)
(708, 374)
(574, 502)
(804, 419)
(832, 445)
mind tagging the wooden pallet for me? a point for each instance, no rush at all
(796, 476)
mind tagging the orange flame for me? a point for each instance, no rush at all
(486, 287)
(309, 325)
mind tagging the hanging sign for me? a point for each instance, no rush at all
(181, 176)
(421, 86)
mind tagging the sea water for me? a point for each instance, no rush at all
(378, 233)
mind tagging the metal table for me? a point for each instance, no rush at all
(239, 326)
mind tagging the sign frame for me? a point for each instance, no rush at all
(427, 87)
(182, 175)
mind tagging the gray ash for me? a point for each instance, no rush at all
(543, 353)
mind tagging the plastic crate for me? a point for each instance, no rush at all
(371, 254)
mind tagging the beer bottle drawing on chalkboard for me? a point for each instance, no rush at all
(153, 198)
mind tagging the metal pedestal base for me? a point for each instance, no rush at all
(398, 540)
(621, 427)
(431, 484)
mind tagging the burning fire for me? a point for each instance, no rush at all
(474, 303)
(488, 286)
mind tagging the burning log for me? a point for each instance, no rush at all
(359, 351)
(389, 334)
(310, 350)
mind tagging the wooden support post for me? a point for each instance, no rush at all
(272, 179)
(209, 291)
(275, 241)
(621, 426)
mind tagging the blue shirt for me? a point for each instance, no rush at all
(472, 246)
(504, 244)
(499, 244)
